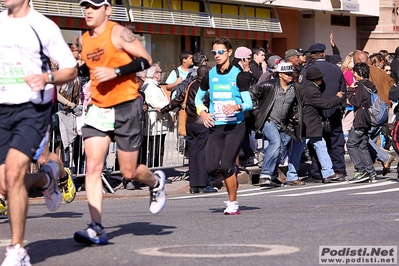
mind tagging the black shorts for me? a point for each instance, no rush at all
(24, 127)
(128, 126)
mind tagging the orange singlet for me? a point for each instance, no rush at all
(100, 52)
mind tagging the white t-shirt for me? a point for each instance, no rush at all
(20, 56)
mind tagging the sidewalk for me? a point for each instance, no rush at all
(177, 183)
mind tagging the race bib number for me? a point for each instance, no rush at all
(12, 73)
(218, 111)
(101, 118)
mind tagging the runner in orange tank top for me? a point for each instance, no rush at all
(112, 56)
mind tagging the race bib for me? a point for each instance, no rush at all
(11, 73)
(101, 118)
(218, 111)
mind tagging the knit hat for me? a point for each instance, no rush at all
(243, 52)
(313, 73)
(273, 61)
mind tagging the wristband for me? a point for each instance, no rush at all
(201, 108)
(137, 65)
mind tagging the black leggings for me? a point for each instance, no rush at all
(222, 147)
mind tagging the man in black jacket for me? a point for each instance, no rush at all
(334, 80)
(358, 135)
(313, 131)
(277, 105)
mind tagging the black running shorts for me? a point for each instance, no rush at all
(23, 127)
(128, 126)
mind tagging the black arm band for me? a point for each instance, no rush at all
(137, 65)
(83, 71)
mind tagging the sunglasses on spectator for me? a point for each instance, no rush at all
(220, 52)
(388, 70)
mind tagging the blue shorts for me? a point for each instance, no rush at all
(24, 127)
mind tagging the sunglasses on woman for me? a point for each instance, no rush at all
(220, 52)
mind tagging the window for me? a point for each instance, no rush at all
(341, 20)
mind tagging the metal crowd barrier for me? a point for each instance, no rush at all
(153, 156)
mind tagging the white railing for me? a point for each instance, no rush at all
(171, 17)
(72, 9)
(203, 19)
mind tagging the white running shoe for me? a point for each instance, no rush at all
(52, 194)
(157, 194)
(232, 208)
(16, 257)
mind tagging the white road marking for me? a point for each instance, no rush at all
(376, 192)
(323, 191)
(270, 250)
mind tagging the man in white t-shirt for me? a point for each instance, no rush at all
(180, 73)
(28, 40)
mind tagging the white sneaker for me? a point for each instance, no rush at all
(16, 257)
(232, 208)
(157, 195)
(52, 194)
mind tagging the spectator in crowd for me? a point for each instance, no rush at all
(180, 73)
(272, 63)
(395, 66)
(385, 56)
(197, 133)
(387, 68)
(358, 135)
(278, 115)
(347, 71)
(313, 130)
(334, 80)
(258, 64)
(377, 60)
(292, 56)
(383, 83)
(156, 124)
(229, 99)
(302, 59)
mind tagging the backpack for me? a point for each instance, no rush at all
(377, 113)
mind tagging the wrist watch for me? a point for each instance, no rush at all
(239, 107)
(51, 78)
(117, 71)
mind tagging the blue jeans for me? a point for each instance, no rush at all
(277, 141)
(320, 147)
(375, 151)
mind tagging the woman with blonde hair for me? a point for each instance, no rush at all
(347, 70)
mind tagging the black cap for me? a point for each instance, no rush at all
(95, 2)
(313, 73)
(335, 59)
(301, 50)
(317, 48)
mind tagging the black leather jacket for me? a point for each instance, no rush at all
(263, 97)
(191, 110)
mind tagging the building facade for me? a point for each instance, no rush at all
(168, 26)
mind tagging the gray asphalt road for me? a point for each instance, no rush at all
(278, 226)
